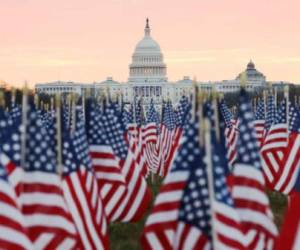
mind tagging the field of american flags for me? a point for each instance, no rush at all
(127, 236)
(113, 176)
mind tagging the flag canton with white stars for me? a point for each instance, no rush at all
(260, 111)
(50, 125)
(16, 112)
(68, 155)
(80, 142)
(247, 145)
(182, 111)
(294, 121)
(113, 133)
(11, 138)
(195, 205)
(66, 116)
(220, 164)
(281, 113)
(219, 150)
(271, 112)
(226, 114)
(127, 116)
(94, 128)
(5, 124)
(208, 111)
(38, 154)
(152, 115)
(139, 119)
(169, 118)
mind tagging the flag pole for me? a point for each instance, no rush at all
(51, 104)
(286, 93)
(36, 101)
(254, 104)
(216, 115)
(209, 168)
(2, 99)
(135, 129)
(42, 105)
(73, 118)
(69, 100)
(24, 124)
(275, 97)
(194, 99)
(59, 135)
(13, 96)
(265, 104)
(200, 117)
(162, 162)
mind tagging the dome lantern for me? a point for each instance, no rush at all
(250, 65)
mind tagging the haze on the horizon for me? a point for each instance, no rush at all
(88, 40)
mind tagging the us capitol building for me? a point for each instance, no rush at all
(148, 79)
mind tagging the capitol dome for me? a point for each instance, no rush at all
(147, 61)
(147, 44)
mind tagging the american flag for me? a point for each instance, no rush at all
(223, 148)
(274, 144)
(248, 189)
(46, 213)
(289, 170)
(271, 112)
(10, 155)
(182, 112)
(231, 133)
(13, 233)
(151, 134)
(139, 145)
(224, 217)
(138, 196)
(259, 122)
(180, 218)
(139, 113)
(107, 169)
(182, 117)
(226, 223)
(81, 189)
(134, 134)
(174, 121)
(127, 116)
(165, 142)
(132, 119)
(289, 237)
(152, 124)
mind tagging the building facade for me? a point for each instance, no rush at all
(148, 79)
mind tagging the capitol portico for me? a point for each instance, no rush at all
(148, 78)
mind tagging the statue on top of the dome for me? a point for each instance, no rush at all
(147, 28)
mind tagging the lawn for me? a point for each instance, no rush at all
(126, 236)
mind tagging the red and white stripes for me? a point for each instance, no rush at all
(82, 195)
(45, 211)
(109, 177)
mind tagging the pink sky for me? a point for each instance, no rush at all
(88, 40)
